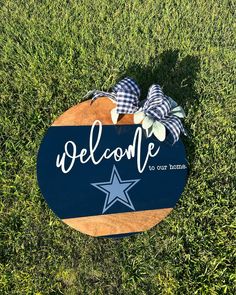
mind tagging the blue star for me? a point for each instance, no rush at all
(116, 190)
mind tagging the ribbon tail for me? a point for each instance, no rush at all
(94, 94)
(175, 126)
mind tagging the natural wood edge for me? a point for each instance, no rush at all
(119, 223)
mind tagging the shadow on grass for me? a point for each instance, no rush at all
(175, 77)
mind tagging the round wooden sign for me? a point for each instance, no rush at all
(105, 179)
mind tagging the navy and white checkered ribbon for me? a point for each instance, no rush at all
(126, 94)
(158, 106)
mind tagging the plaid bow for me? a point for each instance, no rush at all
(158, 106)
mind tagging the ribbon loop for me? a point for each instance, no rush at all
(126, 95)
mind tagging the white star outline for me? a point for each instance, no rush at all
(115, 192)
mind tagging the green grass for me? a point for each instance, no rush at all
(52, 53)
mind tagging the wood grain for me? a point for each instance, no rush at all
(86, 113)
(119, 223)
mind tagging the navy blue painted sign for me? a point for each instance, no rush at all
(86, 171)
